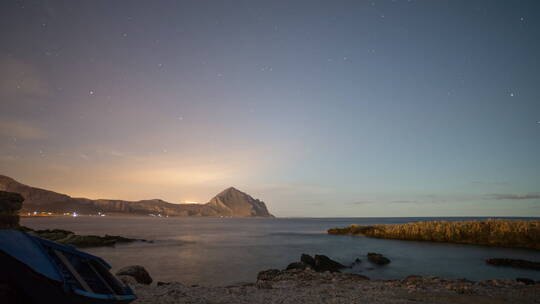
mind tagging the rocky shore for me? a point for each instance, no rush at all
(67, 237)
(308, 286)
(317, 280)
(494, 232)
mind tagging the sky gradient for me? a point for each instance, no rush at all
(319, 108)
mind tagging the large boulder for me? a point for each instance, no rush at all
(127, 280)
(137, 272)
(377, 258)
(308, 260)
(319, 263)
(10, 204)
(324, 263)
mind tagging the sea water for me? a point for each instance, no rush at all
(221, 251)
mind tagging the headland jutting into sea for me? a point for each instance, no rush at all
(494, 232)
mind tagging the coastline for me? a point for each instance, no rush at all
(493, 232)
(224, 245)
(307, 286)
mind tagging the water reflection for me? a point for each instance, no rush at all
(221, 251)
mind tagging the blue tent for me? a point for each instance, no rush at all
(47, 272)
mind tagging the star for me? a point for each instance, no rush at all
(511, 94)
(91, 92)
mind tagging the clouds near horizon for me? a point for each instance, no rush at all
(524, 196)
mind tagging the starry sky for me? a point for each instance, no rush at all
(319, 108)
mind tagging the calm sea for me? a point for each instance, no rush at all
(220, 251)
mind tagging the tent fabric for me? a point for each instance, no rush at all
(24, 248)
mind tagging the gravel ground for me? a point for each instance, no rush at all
(307, 286)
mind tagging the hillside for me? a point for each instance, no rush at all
(229, 203)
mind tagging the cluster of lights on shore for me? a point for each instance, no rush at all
(73, 214)
(158, 215)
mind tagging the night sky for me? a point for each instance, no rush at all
(319, 108)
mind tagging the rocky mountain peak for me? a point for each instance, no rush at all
(234, 201)
(231, 202)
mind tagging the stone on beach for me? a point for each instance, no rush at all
(137, 272)
(377, 258)
(128, 280)
(269, 274)
(308, 286)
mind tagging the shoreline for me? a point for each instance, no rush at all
(308, 286)
(254, 267)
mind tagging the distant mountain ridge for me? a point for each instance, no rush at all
(229, 203)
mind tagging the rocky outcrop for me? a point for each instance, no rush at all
(10, 204)
(67, 237)
(229, 203)
(319, 263)
(377, 258)
(307, 259)
(492, 232)
(137, 272)
(514, 263)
